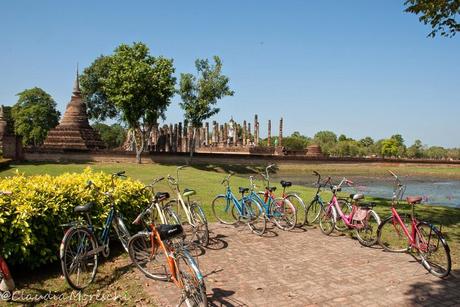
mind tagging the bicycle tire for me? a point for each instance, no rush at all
(194, 289)
(327, 216)
(433, 242)
(346, 208)
(390, 234)
(367, 235)
(150, 261)
(283, 213)
(66, 255)
(223, 211)
(255, 215)
(200, 227)
(121, 231)
(301, 208)
(313, 212)
(7, 284)
(171, 217)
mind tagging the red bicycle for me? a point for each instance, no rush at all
(424, 239)
(7, 285)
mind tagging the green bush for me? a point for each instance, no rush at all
(30, 218)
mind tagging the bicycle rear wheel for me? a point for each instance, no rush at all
(189, 275)
(78, 267)
(433, 250)
(283, 213)
(122, 232)
(150, 260)
(327, 218)
(367, 233)
(300, 209)
(391, 236)
(200, 225)
(254, 215)
(313, 212)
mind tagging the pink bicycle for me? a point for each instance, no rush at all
(6, 281)
(362, 218)
(424, 239)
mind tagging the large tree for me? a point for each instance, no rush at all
(200, 93)
(440, 14)
(34, 114)
(113, 136)
(325, 139)
(133, 85)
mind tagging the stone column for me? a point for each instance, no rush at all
(256, 130)
(206, 134)
(179, 137)
(280, 136)
(244, 139)
(225, 137)
(235, 133)
(249, 134)
(269, 141)
(221, 135)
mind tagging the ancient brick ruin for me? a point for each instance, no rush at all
(10, 144)
(74, 132)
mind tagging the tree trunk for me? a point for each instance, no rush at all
(139, 147)
(192, 145)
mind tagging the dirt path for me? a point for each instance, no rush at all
(303, 268)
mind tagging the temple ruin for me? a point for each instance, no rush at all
(74, 132)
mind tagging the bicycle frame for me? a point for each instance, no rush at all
(239, 204)
(180, 200)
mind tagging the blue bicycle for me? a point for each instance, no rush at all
(279, 210)
(228, 209)
(79, 248)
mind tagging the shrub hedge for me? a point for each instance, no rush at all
(30, 218)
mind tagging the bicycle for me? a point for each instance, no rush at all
(157, 210)
(424, 238)
(317, 204)
(156, 254)
(276, 209)
(293, 198)
(194, 214)
(80, 248)
(362, 218)
(7, 284)
(230, 210)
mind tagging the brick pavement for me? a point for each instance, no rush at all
(305, 267)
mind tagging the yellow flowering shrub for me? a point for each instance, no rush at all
(31, 217)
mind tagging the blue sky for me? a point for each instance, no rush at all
(362, 68)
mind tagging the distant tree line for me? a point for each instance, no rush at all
(343, 146)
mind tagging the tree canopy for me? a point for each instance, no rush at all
(440, 14)
(34, 114)
(113, 136)
(133, 85)
(200, 93)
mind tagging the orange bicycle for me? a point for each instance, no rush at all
(160, 256)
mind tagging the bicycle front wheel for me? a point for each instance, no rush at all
(433, 249)
(171, 217)
(283, 213)
(313, 212)
(122, 231)
(194, 289)
(327, 218)
(78, 257)
(300, 209)
(148, 256)
(254, 214)
(366, 232)
(345, 207)
(200, 225)
(391, 235)
(222, 208)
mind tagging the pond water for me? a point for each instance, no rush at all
(439, 191)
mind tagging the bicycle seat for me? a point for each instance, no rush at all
(243, 190)
(414, 200)
(285, 184)
(367, 205)
(272, 189)
(169, 231)
(159, 196)
(188, 192)
(357, 196)
(84, 208)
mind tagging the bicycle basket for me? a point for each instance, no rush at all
(360, 214)
(168, 232)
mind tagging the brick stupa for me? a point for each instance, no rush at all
(74, 132)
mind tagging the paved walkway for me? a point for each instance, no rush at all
(305, 267)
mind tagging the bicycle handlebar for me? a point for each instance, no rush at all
(227, 178)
